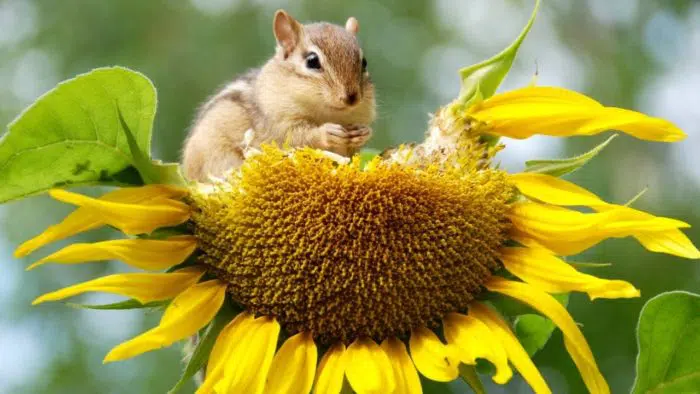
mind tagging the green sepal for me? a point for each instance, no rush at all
(166, 232)
(168, 173)
(139, 159)
(201, 352)
(366, 155)
(582, 264)
(488, 75)
(122, 305)
(471, 377)
(669, 345)
(636, 197)
(559, 167)
(71, 135)
(151, 171)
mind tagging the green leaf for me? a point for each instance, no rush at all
(508, 306)
(201, 352)
(559, 167)
(669, 344)
(122, 305)
(532, 329)
(72, 135)
(469, 375)
(488, 75)
(533, 332)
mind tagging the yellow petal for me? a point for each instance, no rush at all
(553, 190)
(540, 268)
(557, 191)
(130, 218)
(526, 241)
(568, 232)
(226, 338)
(191, 310)
(249, 361)
(83, 219)
(405, 374)
(573, 338)
(516, 354)
(434, 359)
(294, 366)
(559, 112)
(669, 241)
(474, 339)
(368, 368)
(331, 371)
(144, 288)
(147, 254)
(229, 337)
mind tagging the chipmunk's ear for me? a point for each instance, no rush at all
(352, 25)
(287, 31)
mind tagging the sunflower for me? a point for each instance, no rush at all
(369, 274)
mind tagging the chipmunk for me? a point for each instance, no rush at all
(315, 91)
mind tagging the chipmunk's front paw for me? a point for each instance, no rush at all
(333, 137)
(359, 135)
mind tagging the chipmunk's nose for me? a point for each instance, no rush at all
(351, 98)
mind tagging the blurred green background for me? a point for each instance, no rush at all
(631, 53)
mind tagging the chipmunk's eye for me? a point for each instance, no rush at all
(364, 64)
(312, 61)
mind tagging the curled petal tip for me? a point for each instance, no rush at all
(503, 377)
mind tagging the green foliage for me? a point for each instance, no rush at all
(482, 79)
(533, 332)
(559, 167)
(669, 344)
(73, 135)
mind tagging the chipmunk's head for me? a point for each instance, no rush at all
(326, 66)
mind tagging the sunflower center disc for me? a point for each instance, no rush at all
(343, 252)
